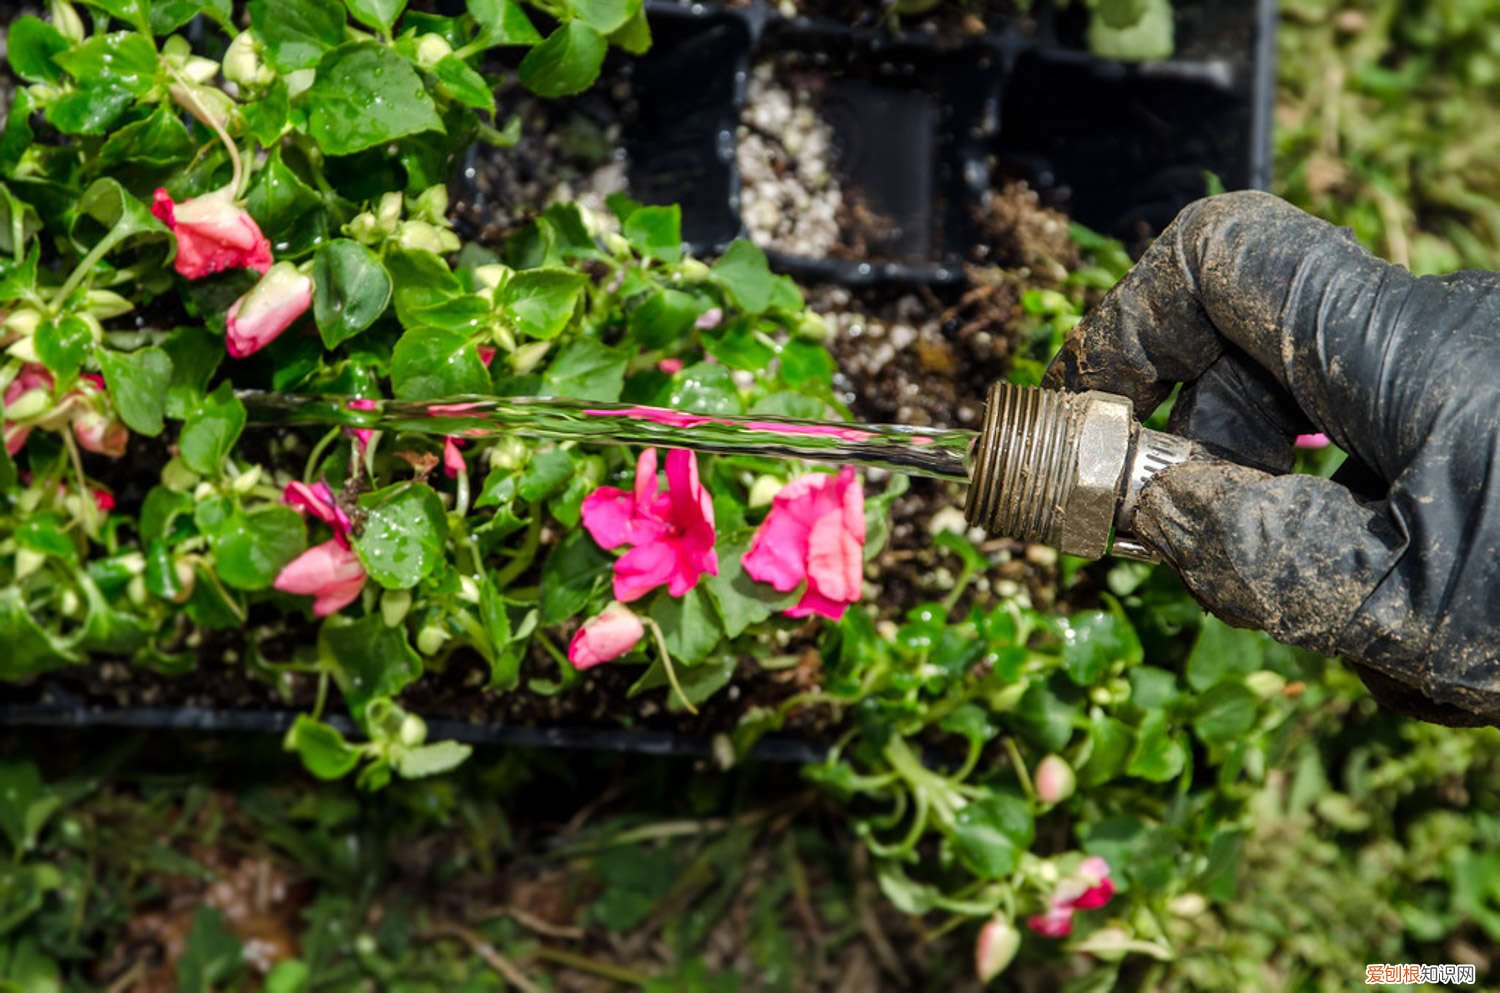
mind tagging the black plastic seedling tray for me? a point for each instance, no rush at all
(926, 125)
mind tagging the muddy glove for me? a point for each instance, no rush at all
(1279, 324)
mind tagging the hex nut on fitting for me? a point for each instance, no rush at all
(1104, 436)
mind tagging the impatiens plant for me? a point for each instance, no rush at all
(266, 207)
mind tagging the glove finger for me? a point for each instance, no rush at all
(1295, 556)
(1238, 411)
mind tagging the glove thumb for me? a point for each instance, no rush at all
(1295, 556)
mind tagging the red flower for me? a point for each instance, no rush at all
(815, 533)
(672, 532)
(605, 636)
(212, 234)
(267, 309)
(453, 459)
(1090, 889)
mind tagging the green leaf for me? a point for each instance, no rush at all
(743, 273)
(366, 95)
(1110, 744)
(738, 347)
(42, 532)
(1221, 652)
(990, 833)
(1095, 640)
(1132, 30)
(195, 356)
(664, 318)
(124, 60)
(267, 117)
(634, 36)
(289, 212)
(378, 14)
(805, 365)
(137, 382)
(251, 548)
(547, 473)
(371, 661)
(160, 141)
(323, 750)
(1158, 755)
(169, 15)
(569, 577)
(29, 650)
(25, 803)
(132, 12)
(124, 219)
(567, 62)
(541, 301)
(740, 600)
(211, 430)
(656, 231)
(211, 956)
(1226, 712)
(430, 760)
(705, 388)
(17, 217)
(466, 85)
(688, 625)
(62, 344)
(586, 369)
(604, 16)
(350, 289)
(92, 108)
(288, 976)
(404, 533)
(428, 364)
(296, 33)
(30, 45)
(502, 22)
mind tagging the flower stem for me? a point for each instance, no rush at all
(666, 663)
(190, 100)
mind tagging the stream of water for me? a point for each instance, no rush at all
(938, 452)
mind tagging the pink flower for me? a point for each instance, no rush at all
(453, 460)
(1089, 889)
(815, 533)
(606, 636)
(1312, 441)
(670, 366)
(267, 309)
(318, 500)
(34, 383)
(1057, 922)
(672, 532)
(709, 319)
(212, 234)
(94, 423)
(486, 354)
(329, 572)
(103, 499)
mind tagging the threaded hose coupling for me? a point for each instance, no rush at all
(1065, 469)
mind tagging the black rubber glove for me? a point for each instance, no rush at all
(1280, 324)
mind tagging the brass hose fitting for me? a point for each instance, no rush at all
(1065, 469)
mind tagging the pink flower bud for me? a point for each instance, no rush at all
(100, 433)
(212, 234)
(1054, 780)
(1312, 441)
(670, 366)
(453, 460)
(995, 948)
(709, 319)
(269, 308)
(1057, 922)
(606, 636)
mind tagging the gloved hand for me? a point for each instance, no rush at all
(1279, 324)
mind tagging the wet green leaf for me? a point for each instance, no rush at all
(467, 86)
(567, 62)
(137, 382)
(1094, 641)
(502, 22)
(211, 430)
(990, 833)
(745, 276)
(30, 45)
(586, 369)
(350, 289)
(1158, 754)
(366, 95)
(429, 364)
(570, 575)
(379, 14)
(323, 750)
(124, 60)
(656, 232)
(251, 547)
(372, 662)
(62, 343)
(432, 759)
(404, 533)
(541, 301)
(296, 33)
(688, 625)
